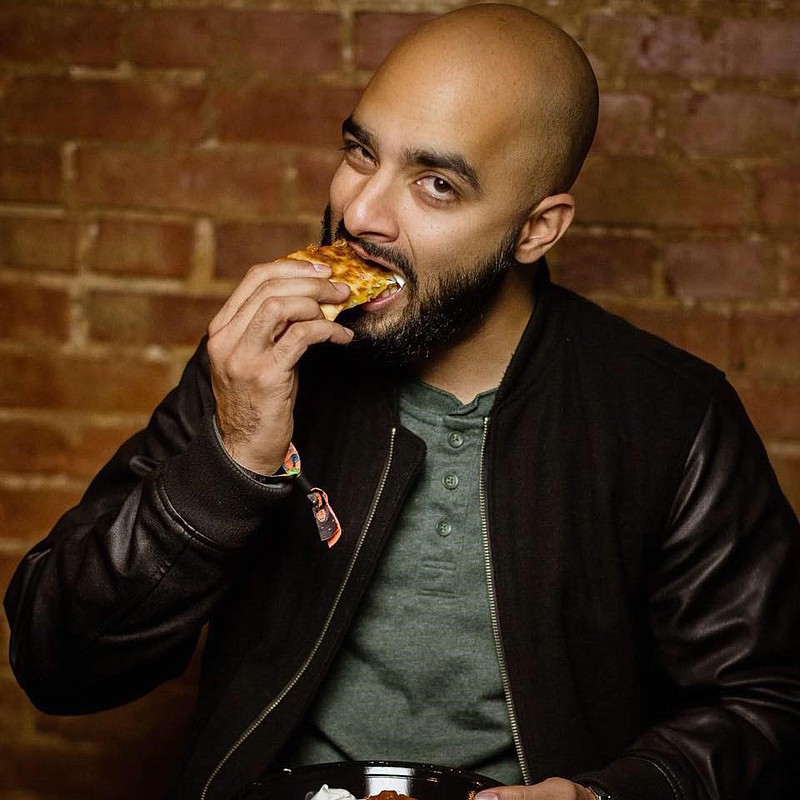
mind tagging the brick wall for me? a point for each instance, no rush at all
(149, 152)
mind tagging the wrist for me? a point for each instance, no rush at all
(598, 792)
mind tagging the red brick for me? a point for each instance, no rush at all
(376, 33)
(772, 407)
(126, 110)
(703, 333)
(57, 769)
(16, 711)
(76, 450)
(787, 468)
(34, 312)
(693, 47)
(142, 247)
(612, 40)
(242, 244)
(116, 384)
(719, 268)
(625, 126)
(659, 192)
(314, 173)
(5, 641)
(32, 33)
(30, 173)
(779, 196)
(789, 259)
(9, 559)
(27, 515)
(214, 180)
(761, 48)
(299, 115)
(161, 717)
(37, 243)
(680, 46)
(733, 124)
(614, 264)
(142, 319)
(236, 40)
(282, 41)
(767, 344)
(175, 37)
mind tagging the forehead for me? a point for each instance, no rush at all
(455, 112)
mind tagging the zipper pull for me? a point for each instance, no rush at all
(327, 522)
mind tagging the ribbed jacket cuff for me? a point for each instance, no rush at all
(213, 495)
(634, 778)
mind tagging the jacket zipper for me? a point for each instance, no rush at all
(498, 639)
(245, 735)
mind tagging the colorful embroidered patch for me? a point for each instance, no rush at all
(291, 462)
(327, 523)
(326, 520)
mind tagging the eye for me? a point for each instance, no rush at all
(438, 189)
(356, 153)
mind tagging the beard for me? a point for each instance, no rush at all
(433, 319)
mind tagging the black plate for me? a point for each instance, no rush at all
(365, 778)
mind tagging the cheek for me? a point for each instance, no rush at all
(337, 192)
(453, 242)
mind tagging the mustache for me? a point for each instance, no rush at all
(390, 255)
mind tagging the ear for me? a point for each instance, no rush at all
(545, 225)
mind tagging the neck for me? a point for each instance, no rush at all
(478, 362)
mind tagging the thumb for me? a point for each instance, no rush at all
(502, 793)
(550, 789)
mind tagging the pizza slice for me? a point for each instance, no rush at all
(366, 280)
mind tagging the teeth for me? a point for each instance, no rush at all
(400, 281)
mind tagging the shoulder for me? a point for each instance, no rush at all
(606, 343)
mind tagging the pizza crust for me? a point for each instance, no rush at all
(366, 281)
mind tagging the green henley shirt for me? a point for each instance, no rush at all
(417, 678)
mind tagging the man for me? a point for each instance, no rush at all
(565, 561)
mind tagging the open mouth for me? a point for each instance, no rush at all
(388, 295)
(396, 284)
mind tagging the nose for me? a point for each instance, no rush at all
(370, 211)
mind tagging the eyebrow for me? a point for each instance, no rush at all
(350, 126)
(452, 162)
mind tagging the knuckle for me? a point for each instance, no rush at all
(272, 310)
(258, 271)
(214, 348)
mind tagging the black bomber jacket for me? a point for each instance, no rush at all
(643, 568)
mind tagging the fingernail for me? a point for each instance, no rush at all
(486, 796)
(320, 267)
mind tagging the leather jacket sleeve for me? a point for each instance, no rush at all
(725, 617)
(112, 602)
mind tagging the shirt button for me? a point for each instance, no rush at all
(456, 439)
(450, 481)
(443, 527)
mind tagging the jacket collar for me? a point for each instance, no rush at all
(535, 349)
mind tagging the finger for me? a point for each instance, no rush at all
(272, 321)
(271, 366)
(316, 290)
(258, 275)
(302, 335)
(550, 789)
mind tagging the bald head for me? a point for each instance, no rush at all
(510, 73)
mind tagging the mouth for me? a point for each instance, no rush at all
(381, 263)
(395, 287)
(388, 296)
